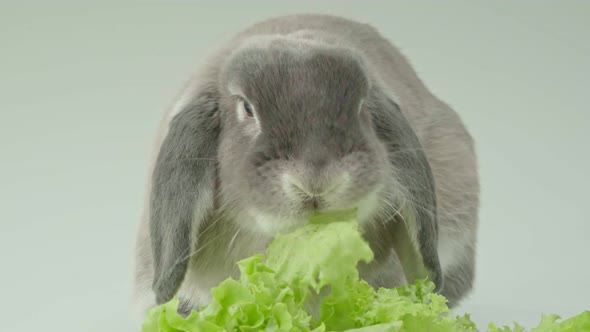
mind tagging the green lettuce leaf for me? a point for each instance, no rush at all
(274, 291)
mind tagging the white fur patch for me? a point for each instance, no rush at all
(368, 206)
(451, 249)
(240, 111)
(180, 104)
(234, 90)
(288, 186)
(144, 300)
(267, 224)
(271, 225)
(206, 199)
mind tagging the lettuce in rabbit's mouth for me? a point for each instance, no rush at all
(273, 290)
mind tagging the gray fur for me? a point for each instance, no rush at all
(415, 176)
(308, 105)
(338, 107)
(185, 161)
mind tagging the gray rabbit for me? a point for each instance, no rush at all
(296, 114)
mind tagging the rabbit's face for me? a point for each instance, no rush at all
(297, 136)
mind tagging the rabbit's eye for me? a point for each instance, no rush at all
(247, 109)
(244, 109)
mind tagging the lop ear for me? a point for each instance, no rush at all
(415, 229)
(183, 189)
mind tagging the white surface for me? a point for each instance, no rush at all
(83, 87)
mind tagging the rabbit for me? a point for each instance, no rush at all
(297, 114)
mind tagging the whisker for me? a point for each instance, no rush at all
(232, 241)
(427, 209)
(200, 247)
(389, 206)
(211, 224)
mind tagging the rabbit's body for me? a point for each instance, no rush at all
(222, 238)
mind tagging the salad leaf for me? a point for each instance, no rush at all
(276, 292)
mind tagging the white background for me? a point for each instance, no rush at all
(82, 89)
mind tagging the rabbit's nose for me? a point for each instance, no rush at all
(314, 188)
(317, 155)
(318, 161)
(315, 203)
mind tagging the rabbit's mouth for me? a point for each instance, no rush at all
(313, 204)
(297, 195)
(299, 214)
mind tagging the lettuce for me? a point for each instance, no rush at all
(274, 292)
